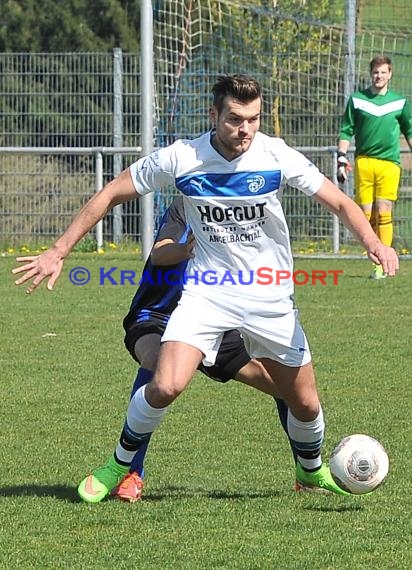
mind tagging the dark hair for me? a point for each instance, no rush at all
(241, 87)
(380, 60)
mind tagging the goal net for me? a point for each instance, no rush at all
(297, 49)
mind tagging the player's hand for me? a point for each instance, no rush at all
(39, 267)
(386, 256)
(344, 168)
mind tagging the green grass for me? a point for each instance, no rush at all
(219, 475)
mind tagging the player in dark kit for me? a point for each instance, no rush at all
(158, 294)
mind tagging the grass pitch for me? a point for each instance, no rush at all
(219, 474)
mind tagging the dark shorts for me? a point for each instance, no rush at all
(232, 355)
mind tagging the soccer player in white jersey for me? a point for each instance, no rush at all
(230, 178)
(154, 301)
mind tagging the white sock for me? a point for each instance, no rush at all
(141, 419)
(308, 439)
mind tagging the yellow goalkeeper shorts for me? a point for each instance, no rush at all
(375, 179)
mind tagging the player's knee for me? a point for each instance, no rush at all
(147, 361)
(368, 210)
(146, 350)
(306, 409)
(161, 394)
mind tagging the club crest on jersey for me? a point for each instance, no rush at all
(255, 183)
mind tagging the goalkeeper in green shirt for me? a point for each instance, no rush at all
(376, 117)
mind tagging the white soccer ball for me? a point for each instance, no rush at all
(359, 464)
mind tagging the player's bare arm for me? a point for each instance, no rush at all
(168, 252)
(354, 219)
(50, 263)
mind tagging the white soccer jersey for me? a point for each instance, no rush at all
(233, 208)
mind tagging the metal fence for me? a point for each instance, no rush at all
(62, 114)
(42, 188)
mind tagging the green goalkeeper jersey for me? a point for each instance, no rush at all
(376, 122)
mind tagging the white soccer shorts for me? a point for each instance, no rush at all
(269, 330)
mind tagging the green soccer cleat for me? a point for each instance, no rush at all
(320, 479)
(101, 481)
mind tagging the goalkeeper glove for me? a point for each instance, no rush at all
(344, 167)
